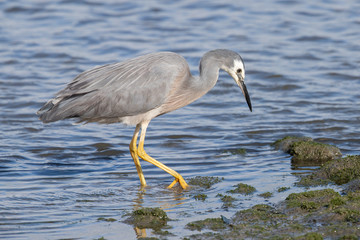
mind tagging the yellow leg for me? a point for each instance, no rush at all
(134, 155)
(140, 233)
(146, 157)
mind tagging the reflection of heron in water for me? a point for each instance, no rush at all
(135, 91)
(144, 219)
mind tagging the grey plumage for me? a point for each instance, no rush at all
(137, 90)
(118, 92)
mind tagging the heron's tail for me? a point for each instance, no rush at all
(58, 109)
(48, 112)
(68, 106)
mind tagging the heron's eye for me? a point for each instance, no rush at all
(239, 70)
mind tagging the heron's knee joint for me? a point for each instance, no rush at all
(141, 153)
(132, 150)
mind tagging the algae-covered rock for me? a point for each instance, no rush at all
(339, 171)
(205, 182)
(352, 186)
(154, 218)
(243, 189)
(310, 153)
(312, 215)
(209, 223)
(349, 237)
(306, 152)
(325, 206)
(285, 144)
(343, 170)
(314, 179)
(311, 236)
(260, 213)
(312, 200)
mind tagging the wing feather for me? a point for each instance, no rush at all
(117, 90)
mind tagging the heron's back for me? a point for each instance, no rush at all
(127, 91)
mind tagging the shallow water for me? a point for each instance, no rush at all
(56, 180)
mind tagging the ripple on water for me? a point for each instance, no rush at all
(57, 180)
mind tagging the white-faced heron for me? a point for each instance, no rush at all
(135, 91)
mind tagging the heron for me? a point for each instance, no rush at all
(135, 91)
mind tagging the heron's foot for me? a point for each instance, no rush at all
(179, 180)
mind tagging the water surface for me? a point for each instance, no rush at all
(56, 180)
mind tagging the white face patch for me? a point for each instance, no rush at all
(239, 65)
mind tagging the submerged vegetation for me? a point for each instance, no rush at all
(309, 215)
(204, 182)
(209, 223)
(335, 216)
(154, 218)
(227, 200)
(339, 171)
(236, 151)
(266, 194)
(243, 189)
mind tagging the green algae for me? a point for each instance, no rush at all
(149, 238)
(336, 217)
(326, 205)
(283, 189)
(259, 214)
(161, 232)
(200, 197)
(209, 223)
(311, 200)
(339, 171)
(310, 153)
(311, 236)
(154, 218)
(266, 194)
(227, 200)
(349, 215)
(349, 237)
(312, 180)
(205, 182)
(237, 151)
(352, 186)
(285, 144)
(107, 219)
(307, 152)
(243, 188)
(343, 170)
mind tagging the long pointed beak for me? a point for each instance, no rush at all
(245, 92)
(239, 79)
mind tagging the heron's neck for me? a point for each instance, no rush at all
(194, 88)
(208, 77)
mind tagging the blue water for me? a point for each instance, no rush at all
(56, 180)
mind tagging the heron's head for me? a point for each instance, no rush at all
(234, 65)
